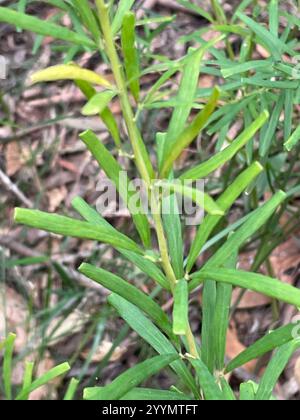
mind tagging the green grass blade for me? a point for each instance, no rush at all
(115, 173)
(67, 226)
(247, 392)
(44, 379)
(180, 308)
(98, 103)
(146, 394)
(42, 27)
(267, 139)
(288, 113)
(27, 378)
(174, 148)
(130, 379)
(234, 69)
(263, 346)
(251, 226)
(196, 9)
(256, 282)
(124, 7)
(227, 391)
(107, 116)
(275, 369)
(129, 292)
(226, 200)
(206, 168)
(88, 18)
(293, 140)
(207, 382)
(71, 390)
(131, 59)
(151, 334)
(7, 365)
(209, 301)
(274, 17)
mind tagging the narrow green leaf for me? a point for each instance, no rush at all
(67, 226)
(124, 7)
(171, 218)
(131, 59)
(130, 293)
(145, 329)
(202, 199)
(174, 148)
(146, 394)
(257, 219)
(266, 142)
(7, 365)
(275, 46)
(206, 168)
(257, 282)
(69, 72)
(218, 11)
(27, 378)
(274, 17)
(42, 27)
(130, 379)
(207, 382)
(44, 379)
(142, 262)
(263, 346)
(275, 369)
(293, 140)
(98, 103)
(209, 300)
(229, 71)
(119, 177)
(247, 392)
(107, 116)
(227, 391)
(71, 390)
(196, 9)
(88, 18)
(180, 308)
(288, 113)
(226, 200)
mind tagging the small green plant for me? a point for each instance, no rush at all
(110, 29)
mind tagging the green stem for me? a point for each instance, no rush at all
(141, 156)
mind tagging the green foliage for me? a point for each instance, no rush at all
(257, 92)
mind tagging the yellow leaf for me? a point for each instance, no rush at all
(69, 72)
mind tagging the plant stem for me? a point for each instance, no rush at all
(141, 156)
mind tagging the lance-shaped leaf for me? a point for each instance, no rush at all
(206, 168)
(180, 308)
(131, 59)
(67, 226)
(88, 18)
(253, 224)
(257, 282)
(69, 72)
(130, 379)
(124, 7)
(42, 27)
(293, 140)
(226, 200)
(71, 390)
(173, 149)
(196, 9)
(263, 346)
(130, 293)
(7, 365)
(202, 199)
(98, 103)
(151, 334)
(142, 262)
(106, 115)
(206, 380)
(247, 391)
(275, 369)
(27, 378)
(44, 379)
(119, 177)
